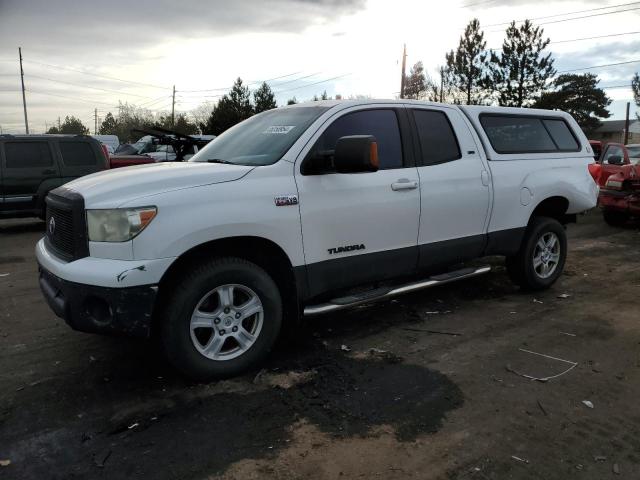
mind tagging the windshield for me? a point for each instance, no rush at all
(262, 139)
(634, 154)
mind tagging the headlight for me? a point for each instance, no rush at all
(118, 224)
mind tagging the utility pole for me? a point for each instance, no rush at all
(441, 83)
(626, 125)
(173, 107)
(24, 98)
(404, 66)
(58, 123)
(95, 121)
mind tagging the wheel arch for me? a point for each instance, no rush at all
(261, 251)
(554, 207)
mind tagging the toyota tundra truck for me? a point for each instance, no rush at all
(306, 210)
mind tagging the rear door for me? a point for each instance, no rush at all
(610, 165)
(80, 156)
(27, 167)
(454, 188)
(360, 228)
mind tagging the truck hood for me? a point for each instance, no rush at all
(112, 188)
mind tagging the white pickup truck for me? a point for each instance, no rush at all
(309, 209)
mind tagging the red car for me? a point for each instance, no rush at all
(618, 175)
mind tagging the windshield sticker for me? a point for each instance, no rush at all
(279, 129)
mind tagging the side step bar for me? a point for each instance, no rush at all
(387, 292)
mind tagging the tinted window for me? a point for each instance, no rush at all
(437, 139)
(382, 124)
(77, 154)
(509, 134)
(27, 154)
(561, 135)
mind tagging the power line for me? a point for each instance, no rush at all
(70, 98)
(228, 88)
(570, 13)
(600, 66)
(580, 39)
(97, 75)
(86, 86)
(314, 83)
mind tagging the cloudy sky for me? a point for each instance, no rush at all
(79, 56)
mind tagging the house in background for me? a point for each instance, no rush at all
(613, 131)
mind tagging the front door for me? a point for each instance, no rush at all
(362, 227)
(613, 160)
(454, 188)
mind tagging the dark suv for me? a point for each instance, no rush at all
(32, 165)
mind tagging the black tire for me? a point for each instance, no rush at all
(521, 267)
(189, 290)
(615, 218)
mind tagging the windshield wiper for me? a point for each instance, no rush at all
(219, 160)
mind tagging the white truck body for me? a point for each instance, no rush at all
(339, 231)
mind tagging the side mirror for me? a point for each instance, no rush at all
(355, 154)
(614, 160)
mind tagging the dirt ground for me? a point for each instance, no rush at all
(425, 386)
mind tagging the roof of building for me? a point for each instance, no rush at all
(611, 126)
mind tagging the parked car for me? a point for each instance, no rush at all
(619, 180)
(306, 210)
(32, 165)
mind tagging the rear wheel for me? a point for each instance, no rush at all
(542, 256)
(221, 319)
(615, 218)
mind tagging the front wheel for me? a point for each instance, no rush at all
(542, 256)
(221, 319)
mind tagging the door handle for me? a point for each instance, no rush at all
(404, 184)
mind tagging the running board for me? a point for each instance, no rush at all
(387, 292)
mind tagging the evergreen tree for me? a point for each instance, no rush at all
(292, 101)
(467, 66)
(415, 84)
(580, 96)
(70, 126)
(264, 98)
(232, 108)
(520, 73)
(109, 125)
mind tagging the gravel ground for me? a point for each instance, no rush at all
(430, 385)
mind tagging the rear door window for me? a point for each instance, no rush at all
(27, 155)
(76, 154)
(438, 141)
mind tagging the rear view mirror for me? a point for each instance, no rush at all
(614, 160)
(355, 154)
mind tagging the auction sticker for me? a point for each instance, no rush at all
(279, 129)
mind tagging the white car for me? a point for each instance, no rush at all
(306, 210)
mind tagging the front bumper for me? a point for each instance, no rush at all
(620, 201)
(94, 309)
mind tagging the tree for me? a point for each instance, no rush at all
(292, 101)
(635, 86)
(181, 124)
(264, 98)
(468, 66)
(232, 108)
(521, 72)
(109, 125)
(70, 126)
(580, 96)
(415, 84)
